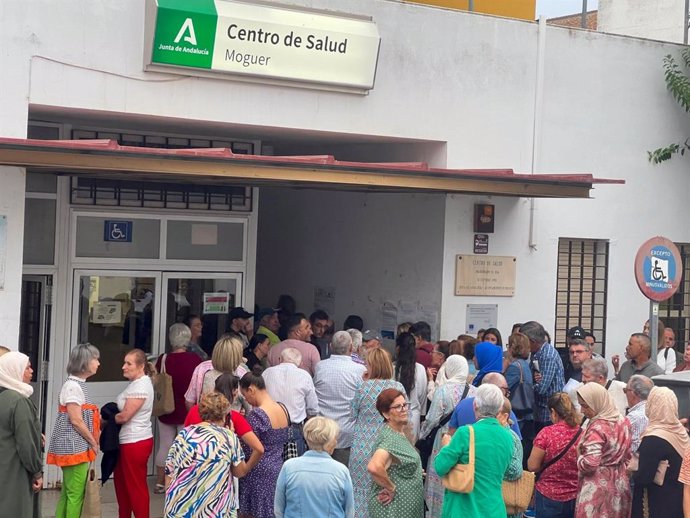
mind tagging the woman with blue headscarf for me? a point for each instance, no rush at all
(488, 357)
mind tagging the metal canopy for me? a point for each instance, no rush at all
(107, 159)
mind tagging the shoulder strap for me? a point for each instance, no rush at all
(608, 384)
(471, 460)
(287, 414)
(666, 353)
(163, 363)
(466, 391)
(563, 452)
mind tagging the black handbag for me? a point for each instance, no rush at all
(426, 446)
(522, 399)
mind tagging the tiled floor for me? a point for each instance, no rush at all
(50, 497)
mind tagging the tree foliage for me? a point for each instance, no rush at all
(678, 83)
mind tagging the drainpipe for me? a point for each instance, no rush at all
(686, 22)
(536, 125)
(583, 19)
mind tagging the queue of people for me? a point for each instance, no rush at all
(257, 431)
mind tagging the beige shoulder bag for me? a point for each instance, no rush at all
(460, 479)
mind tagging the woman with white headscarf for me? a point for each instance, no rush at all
(665, 439)
(446, 398)
(603, 452)
(21, 476)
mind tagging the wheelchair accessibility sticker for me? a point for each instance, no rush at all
(117, 231)
(658, 268)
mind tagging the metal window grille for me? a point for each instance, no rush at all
(161, 195)
(675, 312)
(581, 285)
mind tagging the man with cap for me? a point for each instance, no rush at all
(269, 323)
(240, 324)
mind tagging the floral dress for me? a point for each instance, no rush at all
(199, 464)
(604, 485)
(368, 424)
(446, 398)
(258, 487)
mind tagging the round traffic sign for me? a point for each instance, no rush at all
(658, 268)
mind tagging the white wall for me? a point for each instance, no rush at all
(12, 180)
(457, 78)
(658, 20)
(371, 248)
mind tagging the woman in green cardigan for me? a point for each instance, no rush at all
(21, 476)
(493, 447)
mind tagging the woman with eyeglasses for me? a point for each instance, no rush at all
(395, 466)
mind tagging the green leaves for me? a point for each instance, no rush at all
(678, 83)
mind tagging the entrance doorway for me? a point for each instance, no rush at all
(119, 310)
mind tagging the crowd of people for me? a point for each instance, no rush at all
(290, 418)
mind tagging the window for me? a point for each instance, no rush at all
(675, 312)
(581, 284)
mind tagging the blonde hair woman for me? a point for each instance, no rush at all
(368, 423)
(226, 359)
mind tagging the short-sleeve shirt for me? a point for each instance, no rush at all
(138, 427)
(464, 415)
(180, 366)
(71, 392)
(239, 423)
(559, 481)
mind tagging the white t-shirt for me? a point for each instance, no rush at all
(71, 392)
(668, 363)
(139, 427)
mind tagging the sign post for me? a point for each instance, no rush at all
(658, 272)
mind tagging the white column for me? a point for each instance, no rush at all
(12, 188)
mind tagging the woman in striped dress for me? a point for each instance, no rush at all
(201, 463)
(368, 423)
(74, 440)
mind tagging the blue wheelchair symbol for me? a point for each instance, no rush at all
(118, 231)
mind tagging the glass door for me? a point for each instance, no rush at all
(208, 296)
(115, 311)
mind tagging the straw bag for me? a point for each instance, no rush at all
(460, 479)
(517, 494)
(163, 396)
(92, 496)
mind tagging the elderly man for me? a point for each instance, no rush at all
(547, 372)
(269, 324)
(358, 353)
(596, 371)
(335, 381)
(294, 388)
(638, 352)
(637, 392)
(579, 352)
(666, 358)
(464, 411)
(298, 335)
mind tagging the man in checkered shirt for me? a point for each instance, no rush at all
(336, 380)
(547, 372)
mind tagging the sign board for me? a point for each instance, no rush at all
(485, 275)
(658, 268)
(107, 312)
(481, 243)
(117, 231)
(480, 316)
(262, 42)
(217, 303)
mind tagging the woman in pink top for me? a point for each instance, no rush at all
(556, 489)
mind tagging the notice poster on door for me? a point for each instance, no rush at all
(3, 250)
(107, 312)
(217, 303)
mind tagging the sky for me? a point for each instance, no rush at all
(553, 8)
